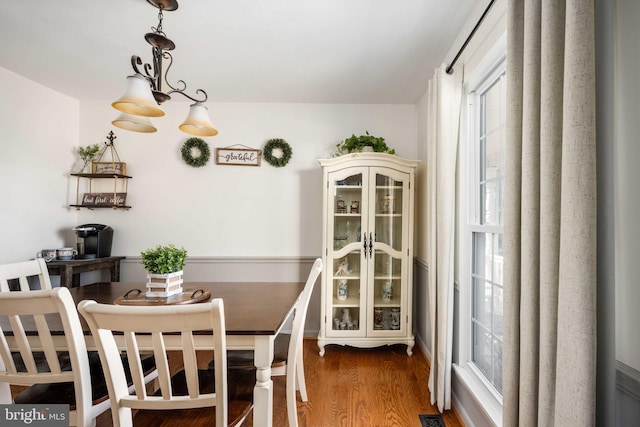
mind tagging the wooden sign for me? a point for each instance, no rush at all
(238, 156)
(104, 199)
(119, 168)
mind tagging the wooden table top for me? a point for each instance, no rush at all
(84, 261)
(251, 308)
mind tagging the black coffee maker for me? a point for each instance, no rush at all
(93, 241)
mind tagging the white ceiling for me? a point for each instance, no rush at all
(301, 51)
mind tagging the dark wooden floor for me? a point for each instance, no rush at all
(364, 387)
(351, 387)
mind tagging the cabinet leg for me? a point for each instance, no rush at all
(321, 347)
(410, 345)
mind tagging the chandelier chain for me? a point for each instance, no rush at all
(158, 29)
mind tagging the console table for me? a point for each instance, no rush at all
(69, 271)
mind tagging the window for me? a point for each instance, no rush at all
(485, 226)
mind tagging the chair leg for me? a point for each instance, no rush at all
(292, 411)
(300, 381)
(5, 391)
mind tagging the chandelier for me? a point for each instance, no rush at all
(145, 93)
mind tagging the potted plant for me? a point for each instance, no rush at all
(87, 154)
(164, 265)
(356, 144)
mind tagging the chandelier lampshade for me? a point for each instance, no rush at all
(134, 123)
(138, 98)
(198, 122)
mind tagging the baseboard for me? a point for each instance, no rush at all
(627, 396)
(425, 349)
(628, 380)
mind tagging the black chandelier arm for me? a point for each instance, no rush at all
(181, 85)
(181, 92)
(135, 61)
(168, 56)
(150, 73)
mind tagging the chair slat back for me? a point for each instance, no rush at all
(22, 271)
(146, 328)
(24, 309)
(26, 350)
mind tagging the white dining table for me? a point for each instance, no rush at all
(254, 314)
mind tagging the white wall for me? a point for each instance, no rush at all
(38, 130)
(236, 211)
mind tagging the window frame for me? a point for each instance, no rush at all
(476, 220)
(485, 75)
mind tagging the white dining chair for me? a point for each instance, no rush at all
(225, 396)
(288, 350)
(22, 271)
(71, 384)
(27, 273)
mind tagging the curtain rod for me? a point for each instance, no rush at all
(466, 42)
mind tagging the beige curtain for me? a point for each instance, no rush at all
(443, 122)
(549, 360)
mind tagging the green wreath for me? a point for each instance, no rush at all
(203, 152)
(281, 144)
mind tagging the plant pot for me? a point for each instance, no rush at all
(164, 285)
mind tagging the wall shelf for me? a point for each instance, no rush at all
(117, 178)
(101, 170)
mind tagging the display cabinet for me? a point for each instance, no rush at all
(368, 201)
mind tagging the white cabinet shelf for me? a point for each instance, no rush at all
(368, 205)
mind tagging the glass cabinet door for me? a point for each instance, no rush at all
(388, 224)
(347, 266)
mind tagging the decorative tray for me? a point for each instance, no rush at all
(188, 296)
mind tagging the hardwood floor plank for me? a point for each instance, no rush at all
(350, 387)
(353, 387)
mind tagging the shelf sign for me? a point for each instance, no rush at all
(238, 156)
(104, 199)
(109, 167)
